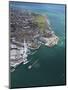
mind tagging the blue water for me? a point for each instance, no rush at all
(51, 69)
